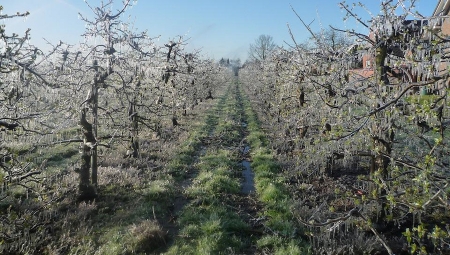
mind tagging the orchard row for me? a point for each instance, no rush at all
(371, 112)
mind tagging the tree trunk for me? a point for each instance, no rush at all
(86, 190)
(382, 139)
(184, 109)
(94, 153)
(134, 143)
(209, 95)
(174, 121)
(381, 53)
(380, 162)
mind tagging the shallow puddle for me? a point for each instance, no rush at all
(248, 186)
(249, 183)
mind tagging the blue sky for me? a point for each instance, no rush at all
(219, 28)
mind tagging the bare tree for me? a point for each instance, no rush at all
(379, 122)
(109, 70)
(261, 49)
(332, 39)
(24, 119)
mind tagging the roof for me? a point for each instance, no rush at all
(442, 8)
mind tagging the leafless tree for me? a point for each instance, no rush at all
(25, 117)
(388, 121)
(332, 39)
(261, 49)
(110, 70)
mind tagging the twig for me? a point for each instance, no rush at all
(375, 232)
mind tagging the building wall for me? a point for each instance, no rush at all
(445, 28)
(443, 9)
(368, 61)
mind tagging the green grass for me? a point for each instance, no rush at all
(213, 183)
(122, 224)
(271, 191)
(158, 190)
(208, 224)
(209, 229)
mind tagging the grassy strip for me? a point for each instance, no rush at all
(271, 191)
(126, 219)
(183, 160)
(209, 226)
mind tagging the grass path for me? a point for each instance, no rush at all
(211, 213)
(189, 201)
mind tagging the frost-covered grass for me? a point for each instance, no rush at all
(135, 196)
(269, 181)
(135, 206)
(209, 224)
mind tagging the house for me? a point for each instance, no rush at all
(442, 10)
(401, 69)
(442, 27)
(395, 53)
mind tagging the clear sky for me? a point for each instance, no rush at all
(219, 28)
